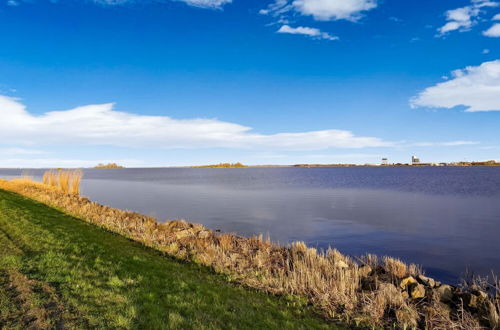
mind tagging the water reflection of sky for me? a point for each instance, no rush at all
(446, 232)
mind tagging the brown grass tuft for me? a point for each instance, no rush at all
(395, 267)
(65, 180)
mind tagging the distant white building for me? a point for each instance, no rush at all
(415, 160)
(385, 161)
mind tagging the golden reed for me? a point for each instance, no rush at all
(68, 181)
(362, 292)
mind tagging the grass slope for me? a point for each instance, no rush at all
(57, 271)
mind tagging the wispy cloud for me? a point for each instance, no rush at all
(63, 162)
(213, 4)
(338, 157)
(207, 3)
(459, 19)
(102, 125)
(462, 19)
(111, 2)
(320, 10)
(443, 144)
(475, 87)
(493, 31)
(307, 31)
(20, 151)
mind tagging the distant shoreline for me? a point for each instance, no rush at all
(474, 164)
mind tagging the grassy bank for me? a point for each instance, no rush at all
(56, 270)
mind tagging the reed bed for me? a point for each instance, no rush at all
(368, 291)
(68, 181)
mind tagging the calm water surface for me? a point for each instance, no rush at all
(444, 218)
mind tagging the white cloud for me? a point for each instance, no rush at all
(20, 151)
(459, 19)
(443, 144)
(323, 10)
(342, 156)
(326, 10)
(308, 31)
(112, 2)
(276, 8)
(475, 87)
(102, 125)
(213, 4)
(66, 163)
(452, 26)
(462, 19)
(496, 17)
(493, 31)
(484, 3)
(207, 3)
(395, 19)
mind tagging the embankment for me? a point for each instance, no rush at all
(58, 272)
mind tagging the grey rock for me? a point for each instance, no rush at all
(417, 291)
(445, 293)
(427, 281)
(406, 282)
(204, 234)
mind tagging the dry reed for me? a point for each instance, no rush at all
(364, 292)
(68, 181)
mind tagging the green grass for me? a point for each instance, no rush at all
(56, 271)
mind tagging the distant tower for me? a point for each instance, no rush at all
(415, 160)
(385, 161)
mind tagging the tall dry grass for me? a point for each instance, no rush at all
(365, 291)
(68, 181)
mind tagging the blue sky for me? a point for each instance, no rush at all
(160, 83)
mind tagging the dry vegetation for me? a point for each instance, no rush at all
(66, 181)
(368, 291)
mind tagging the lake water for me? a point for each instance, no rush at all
(444, 218)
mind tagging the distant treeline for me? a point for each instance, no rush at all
(486, 163)
(110, 165)
(325, 165)
(223, 165)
